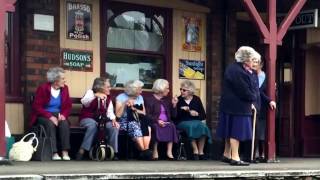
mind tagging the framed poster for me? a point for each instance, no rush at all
(191, 69)
(79, 21)
(191, 34)
(77, 60)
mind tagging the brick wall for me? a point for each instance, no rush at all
(39, 49)
(221, 44)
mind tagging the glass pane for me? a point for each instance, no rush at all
(121, 68)
(136, 31)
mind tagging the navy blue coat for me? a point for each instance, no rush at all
(240, 89)
(265, 100)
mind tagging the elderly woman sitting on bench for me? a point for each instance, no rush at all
(100, 90)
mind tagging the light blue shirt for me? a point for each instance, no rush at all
(261, 77)
(123, 97)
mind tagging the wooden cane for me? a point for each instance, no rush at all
(253, 131)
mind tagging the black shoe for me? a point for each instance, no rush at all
(115, 158)
(79, 157)
(195, 157)
(238, 163)
(170, 159)
(202, 157)
(261, 159)
(225, 159)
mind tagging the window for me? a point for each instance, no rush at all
(12, 64)
(135, 44)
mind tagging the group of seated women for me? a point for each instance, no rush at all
(157, 116)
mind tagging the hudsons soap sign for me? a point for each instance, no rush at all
(77, 60)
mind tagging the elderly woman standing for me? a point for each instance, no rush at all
(190, 116)
(240, 94)
(159, 109)
(51, 108)
(139, 129)
(100, 91)
(262, 114)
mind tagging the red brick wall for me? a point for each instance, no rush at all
(221, 48)
(39, 49)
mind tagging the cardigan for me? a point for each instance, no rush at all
(195, 104)
(153, 108)
(42, 98)
(91, 110)
(240, 90)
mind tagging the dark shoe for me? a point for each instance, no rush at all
(170, 159)
(262, 159)
(115, 158)
(154, 159)
(79, 157)
(225, 159)
(238, 163)
(195, 157)
(202, 157)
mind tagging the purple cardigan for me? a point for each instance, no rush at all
(153, 108)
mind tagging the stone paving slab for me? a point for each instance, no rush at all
(302, 167)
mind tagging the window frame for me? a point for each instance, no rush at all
(166, 53)
(13, 73)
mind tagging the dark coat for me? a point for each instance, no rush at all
(42, 98)
(153, 108)
(240, 89)
(195, 104)
(265, 100)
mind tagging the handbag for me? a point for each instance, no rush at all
(23, 150)
(44, 151)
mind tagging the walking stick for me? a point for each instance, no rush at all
(253, 131)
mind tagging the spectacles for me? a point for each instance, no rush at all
(183, 90)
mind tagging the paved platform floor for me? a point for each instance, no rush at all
(288, 167)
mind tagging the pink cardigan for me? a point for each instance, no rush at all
(42, 98)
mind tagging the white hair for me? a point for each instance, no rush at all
(159, 85)
(54, 74)
(244, 53)
(257, 56)
(189, 85)
(132, 87)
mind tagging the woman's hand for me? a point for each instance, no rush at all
(130, 102)
(54, 120)
(194, 113)
(61, 117)
(186, 108)
(273, 105)
(100, 95)
(161, 123)
(115, 124)
(175, 101)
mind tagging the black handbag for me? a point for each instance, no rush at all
(44, 151)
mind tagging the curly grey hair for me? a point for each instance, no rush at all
(98, 84)
(189, 85)
(131, 87)
(54, 74)
(159, 85)
(244, 53)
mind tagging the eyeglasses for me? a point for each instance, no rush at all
(183, 90)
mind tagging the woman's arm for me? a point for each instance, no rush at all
(87, 98)
(110, 111)
(120, 106)
(39, 103)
